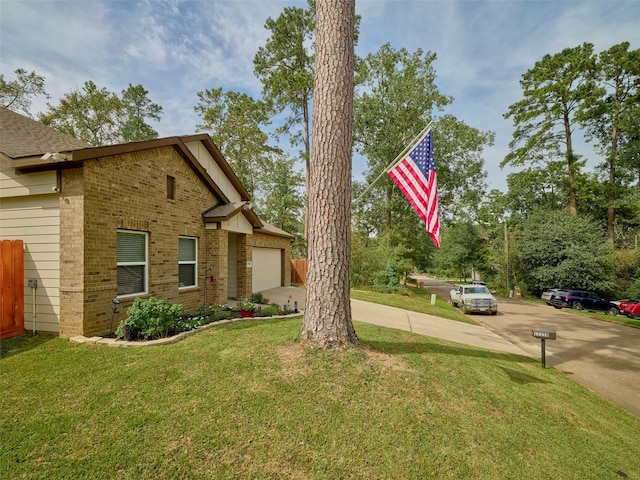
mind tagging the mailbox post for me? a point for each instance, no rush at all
(544, 335)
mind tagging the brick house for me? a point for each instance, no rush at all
(165, 218)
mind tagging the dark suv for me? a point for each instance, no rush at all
(581, 300)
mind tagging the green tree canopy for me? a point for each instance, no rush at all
(91, 114)
(603, 114)
(100, 117)
(464, 250)
(561, 250)
(137, 108)
(395, 100)
(235, 121)
(284, 65)
(17, 95)
(545, 118)
(281, 200)
(397, 97)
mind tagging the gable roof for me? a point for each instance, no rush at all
(21, 136)
(273, 230)
(26, 142)
(220, 213)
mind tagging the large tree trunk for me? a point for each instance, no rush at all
(571, 165)
(611, 198)
(327, 317)
(307, 161)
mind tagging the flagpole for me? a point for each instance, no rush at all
(399, 158)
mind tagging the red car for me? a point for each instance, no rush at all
(630, 308)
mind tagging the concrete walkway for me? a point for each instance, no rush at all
(420, 323)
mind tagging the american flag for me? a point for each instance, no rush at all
(415, 174)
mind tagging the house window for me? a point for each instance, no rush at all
(171, 187)
(132, 263)
(187, 261)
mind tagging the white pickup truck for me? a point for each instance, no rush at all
(474, 299)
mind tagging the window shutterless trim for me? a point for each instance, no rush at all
(190, 261)
(134, 263)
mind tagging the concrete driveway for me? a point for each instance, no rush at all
(603, 356)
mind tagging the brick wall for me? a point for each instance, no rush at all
(72, 253)
(129, 192)
(218, 246)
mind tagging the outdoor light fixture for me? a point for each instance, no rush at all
(114, 309)
(54, 157)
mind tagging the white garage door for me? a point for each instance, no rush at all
(267, 268)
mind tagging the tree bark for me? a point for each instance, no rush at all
(571, 165)
(327, 317)
(611, 197)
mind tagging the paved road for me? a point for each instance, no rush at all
(601, 355)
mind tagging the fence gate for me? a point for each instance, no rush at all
(11, 288)
(299, 271)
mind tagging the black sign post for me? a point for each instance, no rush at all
(544, 335)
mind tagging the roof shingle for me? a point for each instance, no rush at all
(21, 137)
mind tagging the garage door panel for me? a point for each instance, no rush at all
(267, 268)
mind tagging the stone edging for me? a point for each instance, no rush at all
(116, 342)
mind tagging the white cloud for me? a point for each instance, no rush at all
(178, 48)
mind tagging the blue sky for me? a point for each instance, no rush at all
(178, 48)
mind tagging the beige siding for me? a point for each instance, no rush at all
(202, 155)
(238, 224)
(36, 221)
(13, 184)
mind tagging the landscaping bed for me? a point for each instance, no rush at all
(153, 319)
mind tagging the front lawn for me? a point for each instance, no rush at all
(245, 400)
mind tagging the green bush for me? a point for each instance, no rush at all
(221, 315)
(269, 311)
(399, 289)
(149, 319)
(212, 312)
(379, 261)
(258, 298)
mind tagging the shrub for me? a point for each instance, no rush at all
(221, 315)
(268, 311)
(149, 318)
(212, 313)
(201, 316)
(188, 322)
(399, 289)
(258, 298)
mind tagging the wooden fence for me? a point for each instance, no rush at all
(299, 271)
(11, 288)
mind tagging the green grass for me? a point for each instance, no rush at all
(600, 316)
(417, 300)
(610, 318)
(246, 400)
